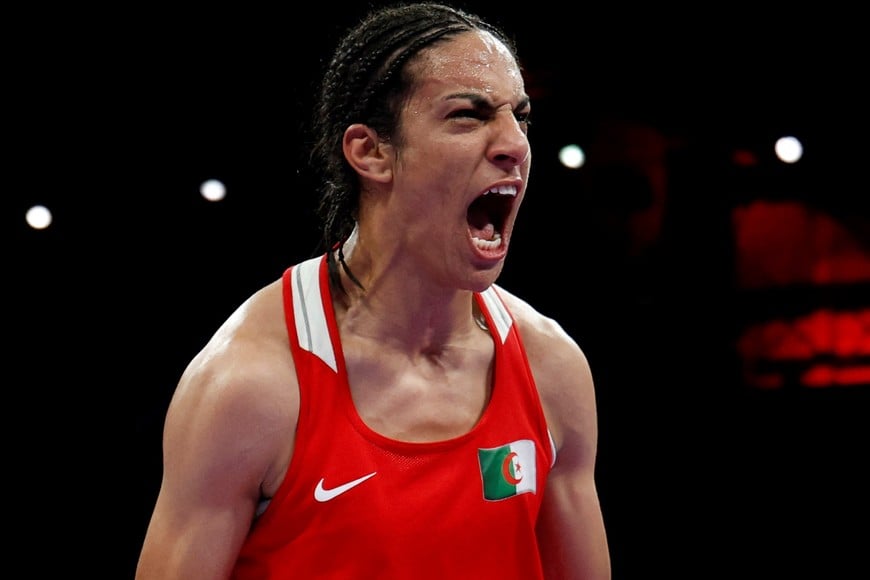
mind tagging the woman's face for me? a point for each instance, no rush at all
(462, 159)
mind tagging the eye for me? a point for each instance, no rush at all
(466, 114)
(523, 119)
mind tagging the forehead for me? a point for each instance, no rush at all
(470, 60)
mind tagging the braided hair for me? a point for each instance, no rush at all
(367, 82)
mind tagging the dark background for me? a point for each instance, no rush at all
(114, 118)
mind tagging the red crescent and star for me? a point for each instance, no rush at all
(506, 469)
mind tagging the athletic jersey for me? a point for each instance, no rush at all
(355, 504)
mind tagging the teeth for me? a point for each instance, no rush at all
(488, 244)
(503, 190)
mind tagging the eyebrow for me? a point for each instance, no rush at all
(482, 102)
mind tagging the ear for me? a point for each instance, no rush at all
(370, 157)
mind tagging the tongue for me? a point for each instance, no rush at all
(485, 233)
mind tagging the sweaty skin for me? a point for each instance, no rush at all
(419, 365)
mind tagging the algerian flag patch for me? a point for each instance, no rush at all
(508, 470)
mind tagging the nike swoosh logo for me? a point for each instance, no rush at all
(321, 494)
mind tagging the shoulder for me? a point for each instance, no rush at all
(559, 365)
(238, 388)
(542, 334)
(248, 345)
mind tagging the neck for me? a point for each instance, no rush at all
(380, 302)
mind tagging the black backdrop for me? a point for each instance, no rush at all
(116, 117)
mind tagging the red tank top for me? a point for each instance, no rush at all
(357, 505)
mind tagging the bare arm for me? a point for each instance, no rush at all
(227, 440)
(572, 536)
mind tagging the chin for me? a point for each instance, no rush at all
(484, 278)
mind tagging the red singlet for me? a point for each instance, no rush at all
(357, 505)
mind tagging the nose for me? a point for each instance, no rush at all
(510, 145)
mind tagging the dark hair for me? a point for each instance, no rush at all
(366, 82)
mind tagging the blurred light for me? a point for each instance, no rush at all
(38, 217)
(572, 156)
(788, 149)
(744, 158)
(213, 190)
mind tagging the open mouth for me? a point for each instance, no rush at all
(487, 216)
